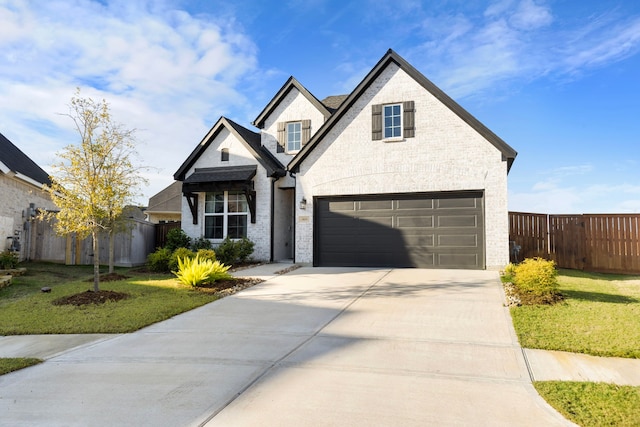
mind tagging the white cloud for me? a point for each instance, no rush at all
(530, 15)
(164, 72)
(517, 41)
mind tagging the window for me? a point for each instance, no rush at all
(294, 136)
(224, 155)
(392, 115)
(225, 215)
(393, 121)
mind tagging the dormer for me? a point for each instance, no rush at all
(290, 119)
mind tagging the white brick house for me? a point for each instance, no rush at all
(394, 174)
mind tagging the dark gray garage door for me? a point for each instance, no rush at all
(436, 230)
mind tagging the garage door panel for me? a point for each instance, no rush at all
(458, 221)
(456, 203)
(421, 230)
(341, 206)
(420, 204)
(367, 205)
(458, 241)
(415, 221)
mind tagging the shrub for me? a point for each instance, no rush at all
(509, 272)
(245, 249)
(179, 253)
(177, 238)
(230, 252)
(227, 252)
(193, 271)
(196, 271)
(206, 254)
(8, 260)
(219, 271)
(536, 281)
(201, 243)
(159, 260)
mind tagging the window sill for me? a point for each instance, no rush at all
(397, 139)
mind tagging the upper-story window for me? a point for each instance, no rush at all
(294, 136)
(393, 122)
(224, 155)
(392, 115)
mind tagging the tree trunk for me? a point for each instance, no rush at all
(111, 249)
(96, 261)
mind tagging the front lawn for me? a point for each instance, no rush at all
(599, 316)
(593, 404)
(152, 297)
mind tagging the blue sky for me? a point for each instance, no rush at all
(558, 80)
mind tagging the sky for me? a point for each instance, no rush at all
(558, 80)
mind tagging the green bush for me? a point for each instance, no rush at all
(245, 249)
(509, 272)
(201, 243)
(231, 252)
(8, 260)
(177, 238)
(179, 253)
(159, 260)
(536, 281)
(207, 254)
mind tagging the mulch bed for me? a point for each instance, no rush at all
(224, 288)
(516, 298)
(91, 297)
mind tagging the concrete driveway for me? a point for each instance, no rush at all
(314, 347)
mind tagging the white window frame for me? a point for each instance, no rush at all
(399, 125)
(225, 214)
(288, 132)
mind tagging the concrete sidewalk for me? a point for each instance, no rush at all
(312, 347)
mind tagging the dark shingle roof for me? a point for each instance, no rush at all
(18, 162)
(333, 102)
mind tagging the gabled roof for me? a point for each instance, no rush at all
(14, 160)
(290, 84)
(250, 139)
(508, 153)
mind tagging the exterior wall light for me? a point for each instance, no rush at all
(303, 203)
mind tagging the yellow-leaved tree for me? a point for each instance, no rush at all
(95, 179)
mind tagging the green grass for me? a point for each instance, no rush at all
(599, 316)
(593, 404)
(13, 364)
(25, 310)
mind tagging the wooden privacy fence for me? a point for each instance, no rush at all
(608, 243)
(161, 232)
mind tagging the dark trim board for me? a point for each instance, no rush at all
(425, 230)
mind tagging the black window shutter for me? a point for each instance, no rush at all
(282, 137)
(376, 122)
(306, 131)
(408, 118)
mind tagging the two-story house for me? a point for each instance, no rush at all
(394, 174)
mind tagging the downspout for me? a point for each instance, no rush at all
(273, 185)
(295, 197)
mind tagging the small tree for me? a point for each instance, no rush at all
(95, 179)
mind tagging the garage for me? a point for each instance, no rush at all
(426, 230)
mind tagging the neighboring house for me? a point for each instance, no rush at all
(395, 174)
(165, 206)
(21, 194)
